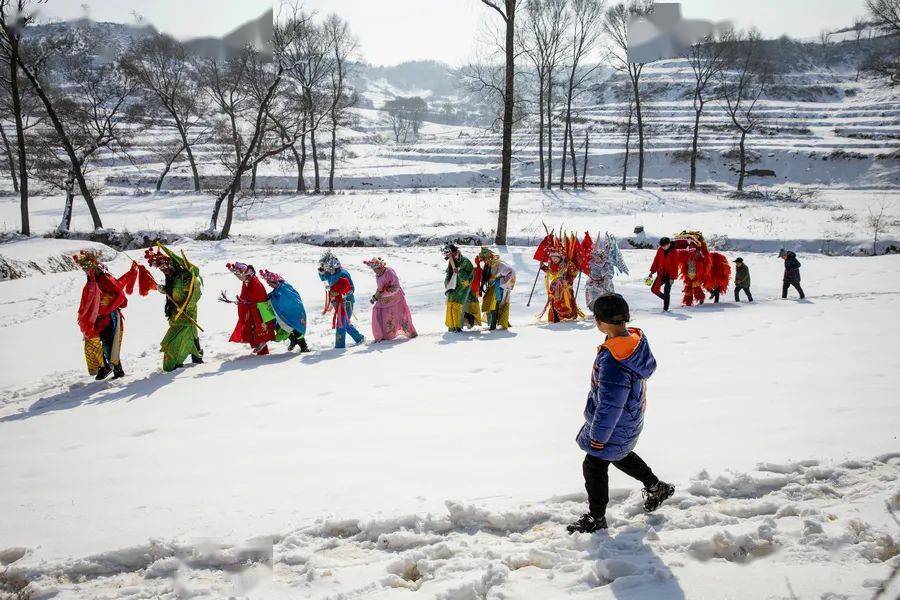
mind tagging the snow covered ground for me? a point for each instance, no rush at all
(445, 466)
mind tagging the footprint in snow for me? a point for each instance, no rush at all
(142, 432)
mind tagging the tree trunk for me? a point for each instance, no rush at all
(65, 222)
(187, 147)
(740, 185)
(541, 77)
(20, 132)
(562, 170)
(333, 152)
(315, 156)
(587, 142)
(694, 147)
(572, 156)
(549, 128)
(253, 178)
(10, 160)
(508, 105)
(299, 176)
(301, 180)
(627, 148)
(162, 176)
(66, 143)
(640, 128)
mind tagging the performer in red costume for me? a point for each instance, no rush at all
(100, 311)
(718, 276)
(251, 328)
(665, 267)
(561, 260)
(693, 257)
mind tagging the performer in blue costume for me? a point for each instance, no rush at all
(288, 308)
(340, 298)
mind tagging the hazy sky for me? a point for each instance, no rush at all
(392, 31)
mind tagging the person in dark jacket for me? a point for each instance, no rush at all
(665, 267)
(614, 414)
(791, 273)
(741, 280)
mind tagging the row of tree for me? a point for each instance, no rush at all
(74, 102)
(566, 44)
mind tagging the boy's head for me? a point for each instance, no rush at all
(611, 314)
(664, 242)
(739, 261)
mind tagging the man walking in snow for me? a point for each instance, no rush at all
(791, 273)
(614, 413)
(741, 280)
(665, 267)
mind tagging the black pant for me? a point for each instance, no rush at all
(666, 294)
(715, 296)
(596, 478)
(787, 284)
(737, 293)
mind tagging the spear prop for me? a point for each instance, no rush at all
(536, 275)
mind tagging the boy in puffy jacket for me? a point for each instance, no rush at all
(614, 413)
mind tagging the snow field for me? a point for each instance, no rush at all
(447, 464)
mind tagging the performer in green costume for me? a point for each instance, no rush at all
(182, 290)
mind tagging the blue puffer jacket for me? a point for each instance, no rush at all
(288, 307)
(614, 413)
(332, 278)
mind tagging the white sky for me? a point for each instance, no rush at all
(392, 31)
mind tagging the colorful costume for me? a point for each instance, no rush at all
(561, 260)
(604, 261)
(390, 313)
(182, 290)
(718, 276)
(462, 305)
(251, 327)
(340, 298)
(694, 263)
(288, 309)
(100, 312)
(494, 280)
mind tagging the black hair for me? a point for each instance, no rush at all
(611, 308)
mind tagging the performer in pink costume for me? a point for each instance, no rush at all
(390, 313)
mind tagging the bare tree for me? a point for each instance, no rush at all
(97, 109)
(345, 47)
(707, 58)
(508, 13)
(309, 59)
(743, 81)
(885, 14)
(616, 27)
(225, 83)
(162, 67)
(13, 20)
(586, 23)
(878, 223)
(31, 69)
(404, 115)
(628, 127)
(287, 31)
(545, 22)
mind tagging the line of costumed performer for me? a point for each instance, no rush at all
(287, 307)
(340, 298)
(252, 328)
(494, 281)
(100, 311)
(390, 312)
(604, 260)
(463, 309)
(182, 289)
(561, 261)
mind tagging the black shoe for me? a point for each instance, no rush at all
(118, 372)
(197, 360)
(303, 346)
(656, 495)
(103, 372)
(293, 344)
(587, 524)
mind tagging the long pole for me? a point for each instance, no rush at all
(534, 285)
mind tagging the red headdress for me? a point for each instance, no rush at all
(272, 278)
